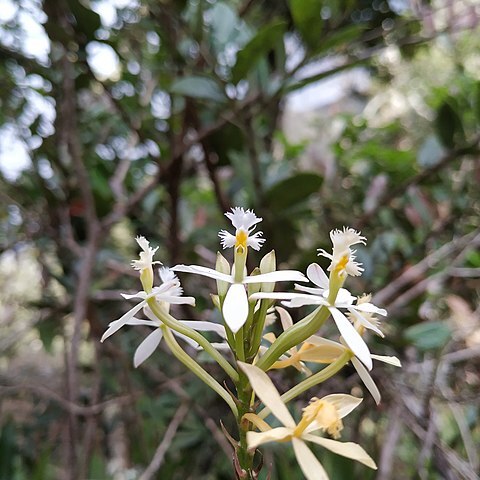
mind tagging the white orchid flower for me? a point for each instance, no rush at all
(244, 223)
(344, 300)
(235, 305)
(320, 415)
(169, 292)
(151, 342)
(343, 257)
(145, 263)
(321, 350)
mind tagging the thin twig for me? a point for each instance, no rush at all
(391, 194)
(65, 404)
(164, 445)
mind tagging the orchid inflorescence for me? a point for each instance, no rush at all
(245, 351)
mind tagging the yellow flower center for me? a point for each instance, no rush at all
(324, 414)
(241, 240)
(342, 264)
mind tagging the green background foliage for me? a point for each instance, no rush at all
(195, 117)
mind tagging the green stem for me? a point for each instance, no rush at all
(295, 335)
(239, 345)
(197, 369)
(244, 392)
(174, 324)
(315, 379)
(258, 326)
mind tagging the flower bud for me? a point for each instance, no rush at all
(222, 266)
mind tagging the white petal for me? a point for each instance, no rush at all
(371, 308)
(352, 338)
(275, 295)
(267, 393)
(254, 439)
(278, 276)
(366, 323)
(390, 360)
(316, 274)
(301, 299)
(167, 275)
(313, 291)
(140, 294)
(147, 347)
(285, 318)
(320, 341)
(345, 449)
(227, 239)
(206, 272)
(176, 300)
(205, 327)
(220, 346)
(344, 298)
(235, 307)
(187, 339)
(118, 324)
(139, 321)
(255, 241)
(311, 467)
(343, 403)
(367, 380)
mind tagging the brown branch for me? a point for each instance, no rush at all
(64, 403)
(393, 193)
(416, 272)
(164, 445)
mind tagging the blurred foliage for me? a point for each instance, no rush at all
(154, 118)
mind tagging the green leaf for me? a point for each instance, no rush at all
(256, 49)
(198, 87)
(293, 190)
(429, 335)
(307, 18)
(449, 124)
(224, 20)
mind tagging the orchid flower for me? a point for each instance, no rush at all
(344, 300)
(169, 292)
(235, 305)
(145, 263)
(343, 257)
(323, 414)
(151, 342)
(244, 223)
(294, 355)
(320, 350)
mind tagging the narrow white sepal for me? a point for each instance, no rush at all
(235, 307)
(267, 393)
(147, 347)
(206, 272)
(352, 338)
(200, 326)
(277, 276)
(367, 380)
(311, 467)
(118, 324)
(386, 359)
(316, 274)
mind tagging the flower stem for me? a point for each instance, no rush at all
(294, 336)
(174, 324)
(197, 369)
